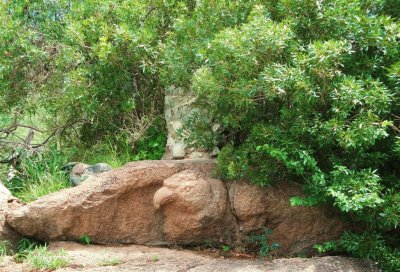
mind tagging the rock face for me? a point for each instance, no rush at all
(194, 208)
(294, 228)
(174, 202)
(114, 207)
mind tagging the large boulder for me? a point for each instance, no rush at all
(175, 202)
(113, 207)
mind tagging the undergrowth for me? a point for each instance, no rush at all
(42, 258)
(259, 241)
(39, 174)
(366, 245)
(118, 150)
(42, 173)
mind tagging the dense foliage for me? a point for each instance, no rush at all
(301, 89)
(88, 62)
(308, 91)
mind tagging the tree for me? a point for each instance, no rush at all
(309, 90)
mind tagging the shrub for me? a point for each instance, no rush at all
(88, 63)
(260, 241)
(366, 245)
(306, 90)
(309, 90)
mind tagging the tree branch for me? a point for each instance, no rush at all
(27, 142)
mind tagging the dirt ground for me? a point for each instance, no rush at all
(96, 258)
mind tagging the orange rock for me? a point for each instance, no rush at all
(175, 202)
(195, 209)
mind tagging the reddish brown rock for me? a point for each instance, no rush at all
(299, 228)
(195, 208)
(295, 229)
(114, 207)
(175, 202)
(248, 203)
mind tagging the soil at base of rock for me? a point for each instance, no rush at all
(97, 258)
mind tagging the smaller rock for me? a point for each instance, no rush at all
(79, 168)
(215, 152)
(215, 127)
(81, 171)
(77, 172)
(97, 169)
(68, 166)
(4, 192)
(178, 150)
(7, 234)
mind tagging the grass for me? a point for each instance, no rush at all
(106, 152)
(118, 150)
(42, 259)
(110, 262)
(155, 258)
(44, 186)
(85, 239)
(25, 246)
(5, 249)
(40, 174)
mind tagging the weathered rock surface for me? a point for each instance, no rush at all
(114, 207)
(174, 202)
(293, 228)
(195, 207)
(94, 258)
(7, 204)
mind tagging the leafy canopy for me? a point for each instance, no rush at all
(302, 90)
(307, 90)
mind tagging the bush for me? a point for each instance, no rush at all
(309, 91)
(88, 63)
(304, 90)
(366, 245)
